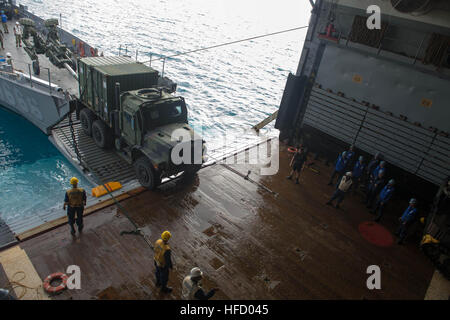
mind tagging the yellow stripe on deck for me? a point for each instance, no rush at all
(22, 275)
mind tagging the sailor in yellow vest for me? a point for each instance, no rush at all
(192, 288)
(163, 261)
(75, 200)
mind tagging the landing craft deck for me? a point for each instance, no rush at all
(106, 165)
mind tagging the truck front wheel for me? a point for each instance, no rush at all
(145, 173)
(87, 118)
(101, 134)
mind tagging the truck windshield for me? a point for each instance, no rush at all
(163, 114)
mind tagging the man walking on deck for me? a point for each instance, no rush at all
(18, 34)
(297, 162)
(192, 288)
(4, 21)
(75, 200)
(163, 261)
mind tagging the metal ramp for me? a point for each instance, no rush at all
(7, 237)
(104, 165)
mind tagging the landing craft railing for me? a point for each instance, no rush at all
(17, 73)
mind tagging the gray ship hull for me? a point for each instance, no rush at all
(34, 101)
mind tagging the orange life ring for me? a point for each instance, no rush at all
(92, 52)
(57, 275)
(292, 149)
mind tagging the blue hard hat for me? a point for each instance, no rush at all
(412, 201)
(392, 182)
(361, 158)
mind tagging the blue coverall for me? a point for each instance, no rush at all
(339, 168)
(357, 172)
(405, 221)
(377, 170)
(383, 198)
(373, 189)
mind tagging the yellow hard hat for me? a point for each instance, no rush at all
(166, 235)
(73, 180)
(422, 220)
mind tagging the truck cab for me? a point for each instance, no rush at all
(151, 123)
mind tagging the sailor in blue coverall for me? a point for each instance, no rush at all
(357, 172)
(383, 198)
(371, 166)
(350, 154)
(380, 167)
(406, 220)
(339, 167)
(374, 188)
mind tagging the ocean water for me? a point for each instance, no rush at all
(227, 90)
(33, 174)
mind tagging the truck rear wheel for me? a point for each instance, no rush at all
(87, 117)
(101, 134)
(145, 173)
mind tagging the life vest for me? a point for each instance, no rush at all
(160, 250)
(75, 196)
(189, 289)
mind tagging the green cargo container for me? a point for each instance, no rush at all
(97, 77)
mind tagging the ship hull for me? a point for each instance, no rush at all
(37, 106)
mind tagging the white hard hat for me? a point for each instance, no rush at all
(17, 22)
(8, 54)
(349, 174)
(196, 272)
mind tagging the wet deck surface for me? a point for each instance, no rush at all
(250, 243)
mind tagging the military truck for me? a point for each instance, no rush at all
(122, 105)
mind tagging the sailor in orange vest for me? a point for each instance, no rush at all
(163, 261)
(75, 200)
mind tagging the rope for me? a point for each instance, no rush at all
(226, 44)
(17, 284)
(74, 142)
